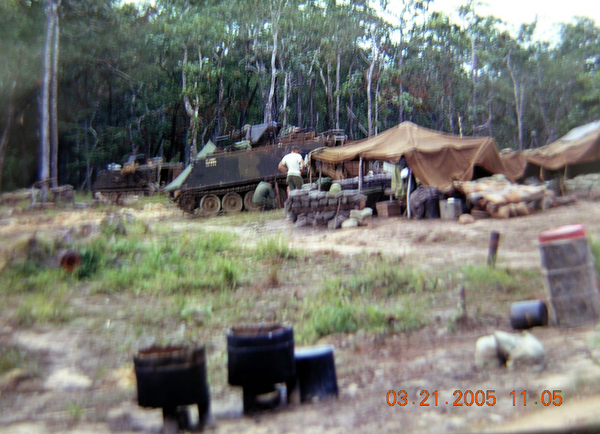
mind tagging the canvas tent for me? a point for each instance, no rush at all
(514, 162)
(435, 158)
(579, 148)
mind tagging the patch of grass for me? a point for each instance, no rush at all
(15, 357)
(46, 279)
(276, 248)
(75, 412)
(171, 266)
(488, 280)
(33, 255)
(329, 314)
(39, 308)
(10, 358)
(215, 242)
(94, 257)
(122, 224)
(381, 277)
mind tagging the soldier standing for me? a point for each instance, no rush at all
(293, 165)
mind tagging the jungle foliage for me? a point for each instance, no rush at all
(162, 79)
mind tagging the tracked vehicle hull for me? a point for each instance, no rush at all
(139, 180)
(225, 182)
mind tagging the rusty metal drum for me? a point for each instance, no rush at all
(169, 377)
(260, 355)
(569, 275)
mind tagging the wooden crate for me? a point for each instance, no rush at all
(387, 209)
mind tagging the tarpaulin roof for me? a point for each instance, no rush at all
(580, 145)
(515, 163)
(435, 158)
(177, 182)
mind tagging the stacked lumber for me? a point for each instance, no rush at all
(316, 207)
(64, 193)
(29, 194)
(499, 198)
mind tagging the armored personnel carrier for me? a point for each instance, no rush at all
(137, 177)
(225, 179)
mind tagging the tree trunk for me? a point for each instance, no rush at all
(192, 112)
(376, 108)
(541, 99)
(330, 111)
(271, 97)
(369, 97)
(45, 99)
(88, 167)
(286, 87)
(337, 91)
(221, 95)
(6, 132)
(220, 105)
(54, 99)
(299, 96)
(311, 103)
(519, 99)
(473, 73)
(400, 87)
(328, 94)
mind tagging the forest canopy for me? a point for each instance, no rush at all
(84, 83)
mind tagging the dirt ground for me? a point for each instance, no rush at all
(368, 367)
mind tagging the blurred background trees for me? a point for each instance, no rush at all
(164, 79)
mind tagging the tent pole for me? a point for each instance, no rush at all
(408, 194)
(360, 174)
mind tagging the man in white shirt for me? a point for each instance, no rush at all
(293, 165)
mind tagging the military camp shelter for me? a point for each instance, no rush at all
(435, 158)
(575, 153)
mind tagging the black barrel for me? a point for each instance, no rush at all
(260, 356)
(315, 372)
(527, 314)
(169, 377)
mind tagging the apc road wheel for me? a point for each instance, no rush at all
(232, 202)
(248, 205)
(210, 204)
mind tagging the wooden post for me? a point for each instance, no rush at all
(320, 174)
(493, 250)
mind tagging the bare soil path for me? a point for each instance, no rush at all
(87, 388)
